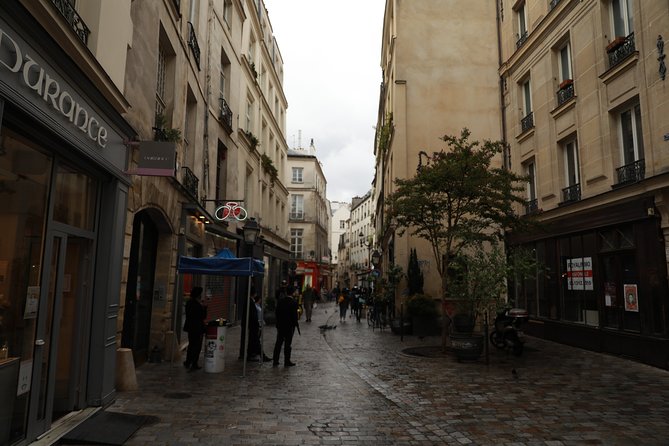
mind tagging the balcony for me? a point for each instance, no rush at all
(527, 122)
(226, 115)
(631, 173)
(190, 182)
(566, 92)
(521, 40)
(66, 9)
(296, 216)
(619, 49)
(571, 193)
(531, 206)
(192, 43)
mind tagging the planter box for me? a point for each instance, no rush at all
(615, 43)
(565, 83)
(467, 346)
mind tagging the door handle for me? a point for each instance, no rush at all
(39, 342)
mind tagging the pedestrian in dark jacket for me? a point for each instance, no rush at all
(194, 325)
(286, 322)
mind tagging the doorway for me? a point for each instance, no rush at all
(63, 341)
(140, 287)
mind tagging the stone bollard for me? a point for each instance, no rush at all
(126, 379)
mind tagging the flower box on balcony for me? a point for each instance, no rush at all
(615, 43)
(565, 83)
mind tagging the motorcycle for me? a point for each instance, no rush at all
(507, 332)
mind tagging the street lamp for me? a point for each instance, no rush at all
(251, 230)
(367, 245)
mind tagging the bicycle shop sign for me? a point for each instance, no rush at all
(230, 210)
(47, 88)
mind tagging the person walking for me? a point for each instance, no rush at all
(308, 300)
(195, 327)
(343, 304)
(286, 322)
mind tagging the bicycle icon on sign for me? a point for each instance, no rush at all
(231, 210)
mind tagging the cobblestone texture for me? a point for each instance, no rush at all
(354, 386)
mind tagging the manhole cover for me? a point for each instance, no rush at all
(177, 395)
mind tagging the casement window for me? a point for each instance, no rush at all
(564, 63)
(297, 207)
(572, 176)
(631, 135)
(221, 171)
(527, 120)
(521, 18)
(621, 18)
(572, 179)
(160, 82)
(248, 124)
(532, 181)
(297, 174)
(296, 243)
(227, 12)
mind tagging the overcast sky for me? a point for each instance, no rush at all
(331, 52)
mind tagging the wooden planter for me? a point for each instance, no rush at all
(615, 43)
(565, 83)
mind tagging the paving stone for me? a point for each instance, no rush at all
(354, 385)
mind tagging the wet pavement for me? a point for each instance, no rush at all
(356, 386)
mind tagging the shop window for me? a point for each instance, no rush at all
(74, 198)
(579, 301)
(25, 176)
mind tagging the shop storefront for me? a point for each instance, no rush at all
(62, 212)
(603, 284)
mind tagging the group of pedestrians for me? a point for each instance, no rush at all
(289, 306)
(355, 299)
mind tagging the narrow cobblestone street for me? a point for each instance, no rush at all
(354, 385)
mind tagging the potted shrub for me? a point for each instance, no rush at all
(615, 43)
(565, 83)
(423, 314)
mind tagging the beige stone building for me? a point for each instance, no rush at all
(362, 239)
(439, 66)
(585, 105)
(213, 73)
(309, 219)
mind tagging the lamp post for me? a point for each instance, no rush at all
(366, 244)
(250, 230)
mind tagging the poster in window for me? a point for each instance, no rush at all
(579, 274)
(631, 298)
(610, 294)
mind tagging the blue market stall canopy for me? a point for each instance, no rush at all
(225, 263)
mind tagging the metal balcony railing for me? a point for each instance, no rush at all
(552, 4)
(631, 173)
(521, 40)
(226, 114)
(565, 93)
(571, 193)
(296, 216)
(620, 49)
(190, 182)
(67, 10)
(192, 43)
(531, 206)
(527, 122)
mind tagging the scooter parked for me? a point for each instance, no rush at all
(507, 331)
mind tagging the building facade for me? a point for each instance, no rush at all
(309, 219)
(192, 72)
(362, 238)
(340, 213)
(434, 83)
(584, 106)
(63, 189)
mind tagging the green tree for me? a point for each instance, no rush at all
(414, 274)
(458, 201)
